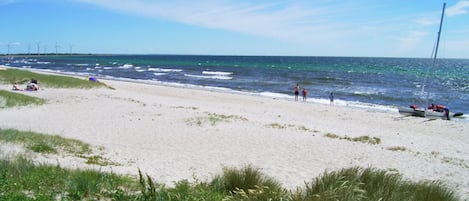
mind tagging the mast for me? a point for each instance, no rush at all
(434, 55)
(439, 33)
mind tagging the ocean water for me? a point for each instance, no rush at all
(374, 83)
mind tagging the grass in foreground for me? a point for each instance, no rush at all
(9, 76)
(12, 99)
(20, 179)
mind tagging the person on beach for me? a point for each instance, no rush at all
(446, 113)
(32, 85)
(304, 92)
(92, 79)
(15, 87)
(331, 98)
(297, 91)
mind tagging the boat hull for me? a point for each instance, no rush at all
(407, 111)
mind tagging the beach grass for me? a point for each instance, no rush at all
(53, 144)
(214, 119)
(372, 184)
(362, 139)
(10, 76)
(21, 179)
(11, 99)
(397, 148)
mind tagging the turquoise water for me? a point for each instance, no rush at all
(383, 83)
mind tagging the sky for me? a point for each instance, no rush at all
(357, 28)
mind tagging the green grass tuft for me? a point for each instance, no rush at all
(362, 139)
(20, 179)
(372, 184)
(13, 99)
(397, 148)
(10, 76)
(213, 119)
(53, 144)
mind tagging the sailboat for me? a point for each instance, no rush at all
(433, 111)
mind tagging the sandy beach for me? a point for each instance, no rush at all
(165, 132)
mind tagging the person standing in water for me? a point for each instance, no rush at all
(331, 98)
(304, 93)
(297, 91)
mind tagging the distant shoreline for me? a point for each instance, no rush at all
(210, 55)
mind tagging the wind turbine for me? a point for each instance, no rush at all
(38, 44)
(56, 48)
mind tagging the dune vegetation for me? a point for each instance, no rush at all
(10, 76)
(23, 179)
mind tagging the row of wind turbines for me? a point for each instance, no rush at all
(10, 45)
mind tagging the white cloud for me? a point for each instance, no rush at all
(318, 25)
(460, 8)
(427, 21)
(279, 20)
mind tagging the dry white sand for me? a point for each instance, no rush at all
(154, 128)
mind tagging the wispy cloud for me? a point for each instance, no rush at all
(460, 8)
(335, 25)
(277, 19)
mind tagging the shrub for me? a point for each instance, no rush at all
(371, 184)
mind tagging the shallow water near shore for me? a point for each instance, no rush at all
(373, 83)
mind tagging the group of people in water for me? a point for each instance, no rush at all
(304, 92)
(32, 85)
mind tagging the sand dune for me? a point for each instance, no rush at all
(167, 133)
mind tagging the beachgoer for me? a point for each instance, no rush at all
(93, 79)
(446, 113)
(33, 81)
(331, 98)
(304, 92)
(16, 88)
(297, 91)
(31, 87)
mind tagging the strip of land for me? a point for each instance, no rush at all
(174, 133)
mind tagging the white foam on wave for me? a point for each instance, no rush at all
(107, 68)
(368, 91)
(42, 62)
(159, 74)
(126, 66)
(219, 77)
(164, 70)
(216, 73)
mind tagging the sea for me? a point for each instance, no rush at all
(381, 84)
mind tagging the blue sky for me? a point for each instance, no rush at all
(375, 28)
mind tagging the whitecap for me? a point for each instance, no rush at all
(126, 66)
(209, 77)
(216, 73)
(164, 70)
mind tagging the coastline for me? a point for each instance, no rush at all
(154, 128)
